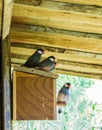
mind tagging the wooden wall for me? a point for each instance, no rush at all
(70, 30)
(30, 100)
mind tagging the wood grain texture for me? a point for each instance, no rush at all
(80, 69)
(29, 2)
(69, 72)
(34, 98)
(78, 73)
(74, 7)
(0, 86)
(36, 71)
(57, 40)
(6, 21)
(71, 30)
(46, 17)
(67, 55)
(14, 96)
(6, 101)
(86, 2)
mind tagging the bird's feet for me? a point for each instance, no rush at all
(61, 103)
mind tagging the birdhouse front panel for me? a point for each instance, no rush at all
(34, 97)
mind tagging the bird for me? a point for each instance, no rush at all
(34, 59)
(63, 96)
(53, 67)
(47, 64)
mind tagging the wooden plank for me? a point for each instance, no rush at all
(40, 102)
(29, 2)
(57, 19)
(87, 75)
(6, 21)
(14, 96)
(6, 104)
(81, 68)
(85, 2)
(35, 71)
(0, 69)
(57, 40)
(88, 70)
(6, 112)
(71, 72)
(0, 86)
(74, 57)
(75, 7)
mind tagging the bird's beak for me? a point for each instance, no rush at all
(56, 59)
(69, 86)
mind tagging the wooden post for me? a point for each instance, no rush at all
(0, 89)
(6, 84)
(5, 62)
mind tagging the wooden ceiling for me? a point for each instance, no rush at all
(71, 30)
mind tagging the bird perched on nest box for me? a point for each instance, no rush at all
(63, 96)
(34, 59)
(47, 64)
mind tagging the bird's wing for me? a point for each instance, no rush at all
(45, 68)
(43, 63)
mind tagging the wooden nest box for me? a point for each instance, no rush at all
(34, 94)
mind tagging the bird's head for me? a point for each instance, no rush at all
(40, 51)
(52, 58)
(67, 85)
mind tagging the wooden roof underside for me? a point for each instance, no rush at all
(71, 30)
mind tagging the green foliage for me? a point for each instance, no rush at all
(92, 128)
(93, 106)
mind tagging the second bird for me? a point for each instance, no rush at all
(48, 64)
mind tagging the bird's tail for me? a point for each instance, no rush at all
(59, 110)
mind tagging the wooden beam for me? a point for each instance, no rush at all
(87, 75)
(0, 69)
(76, 72)
(85, 2)
(31, 2)
(6, 21)
(77, 57)
(75, 7)
(6, 84)
(60, 19)
(0, 86)
(35, 71)
(57, 40)
(73, 66)
(81, 68)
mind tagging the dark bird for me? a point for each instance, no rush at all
(63, 96)
(34, 59)
(53, 66)
(47, 64)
